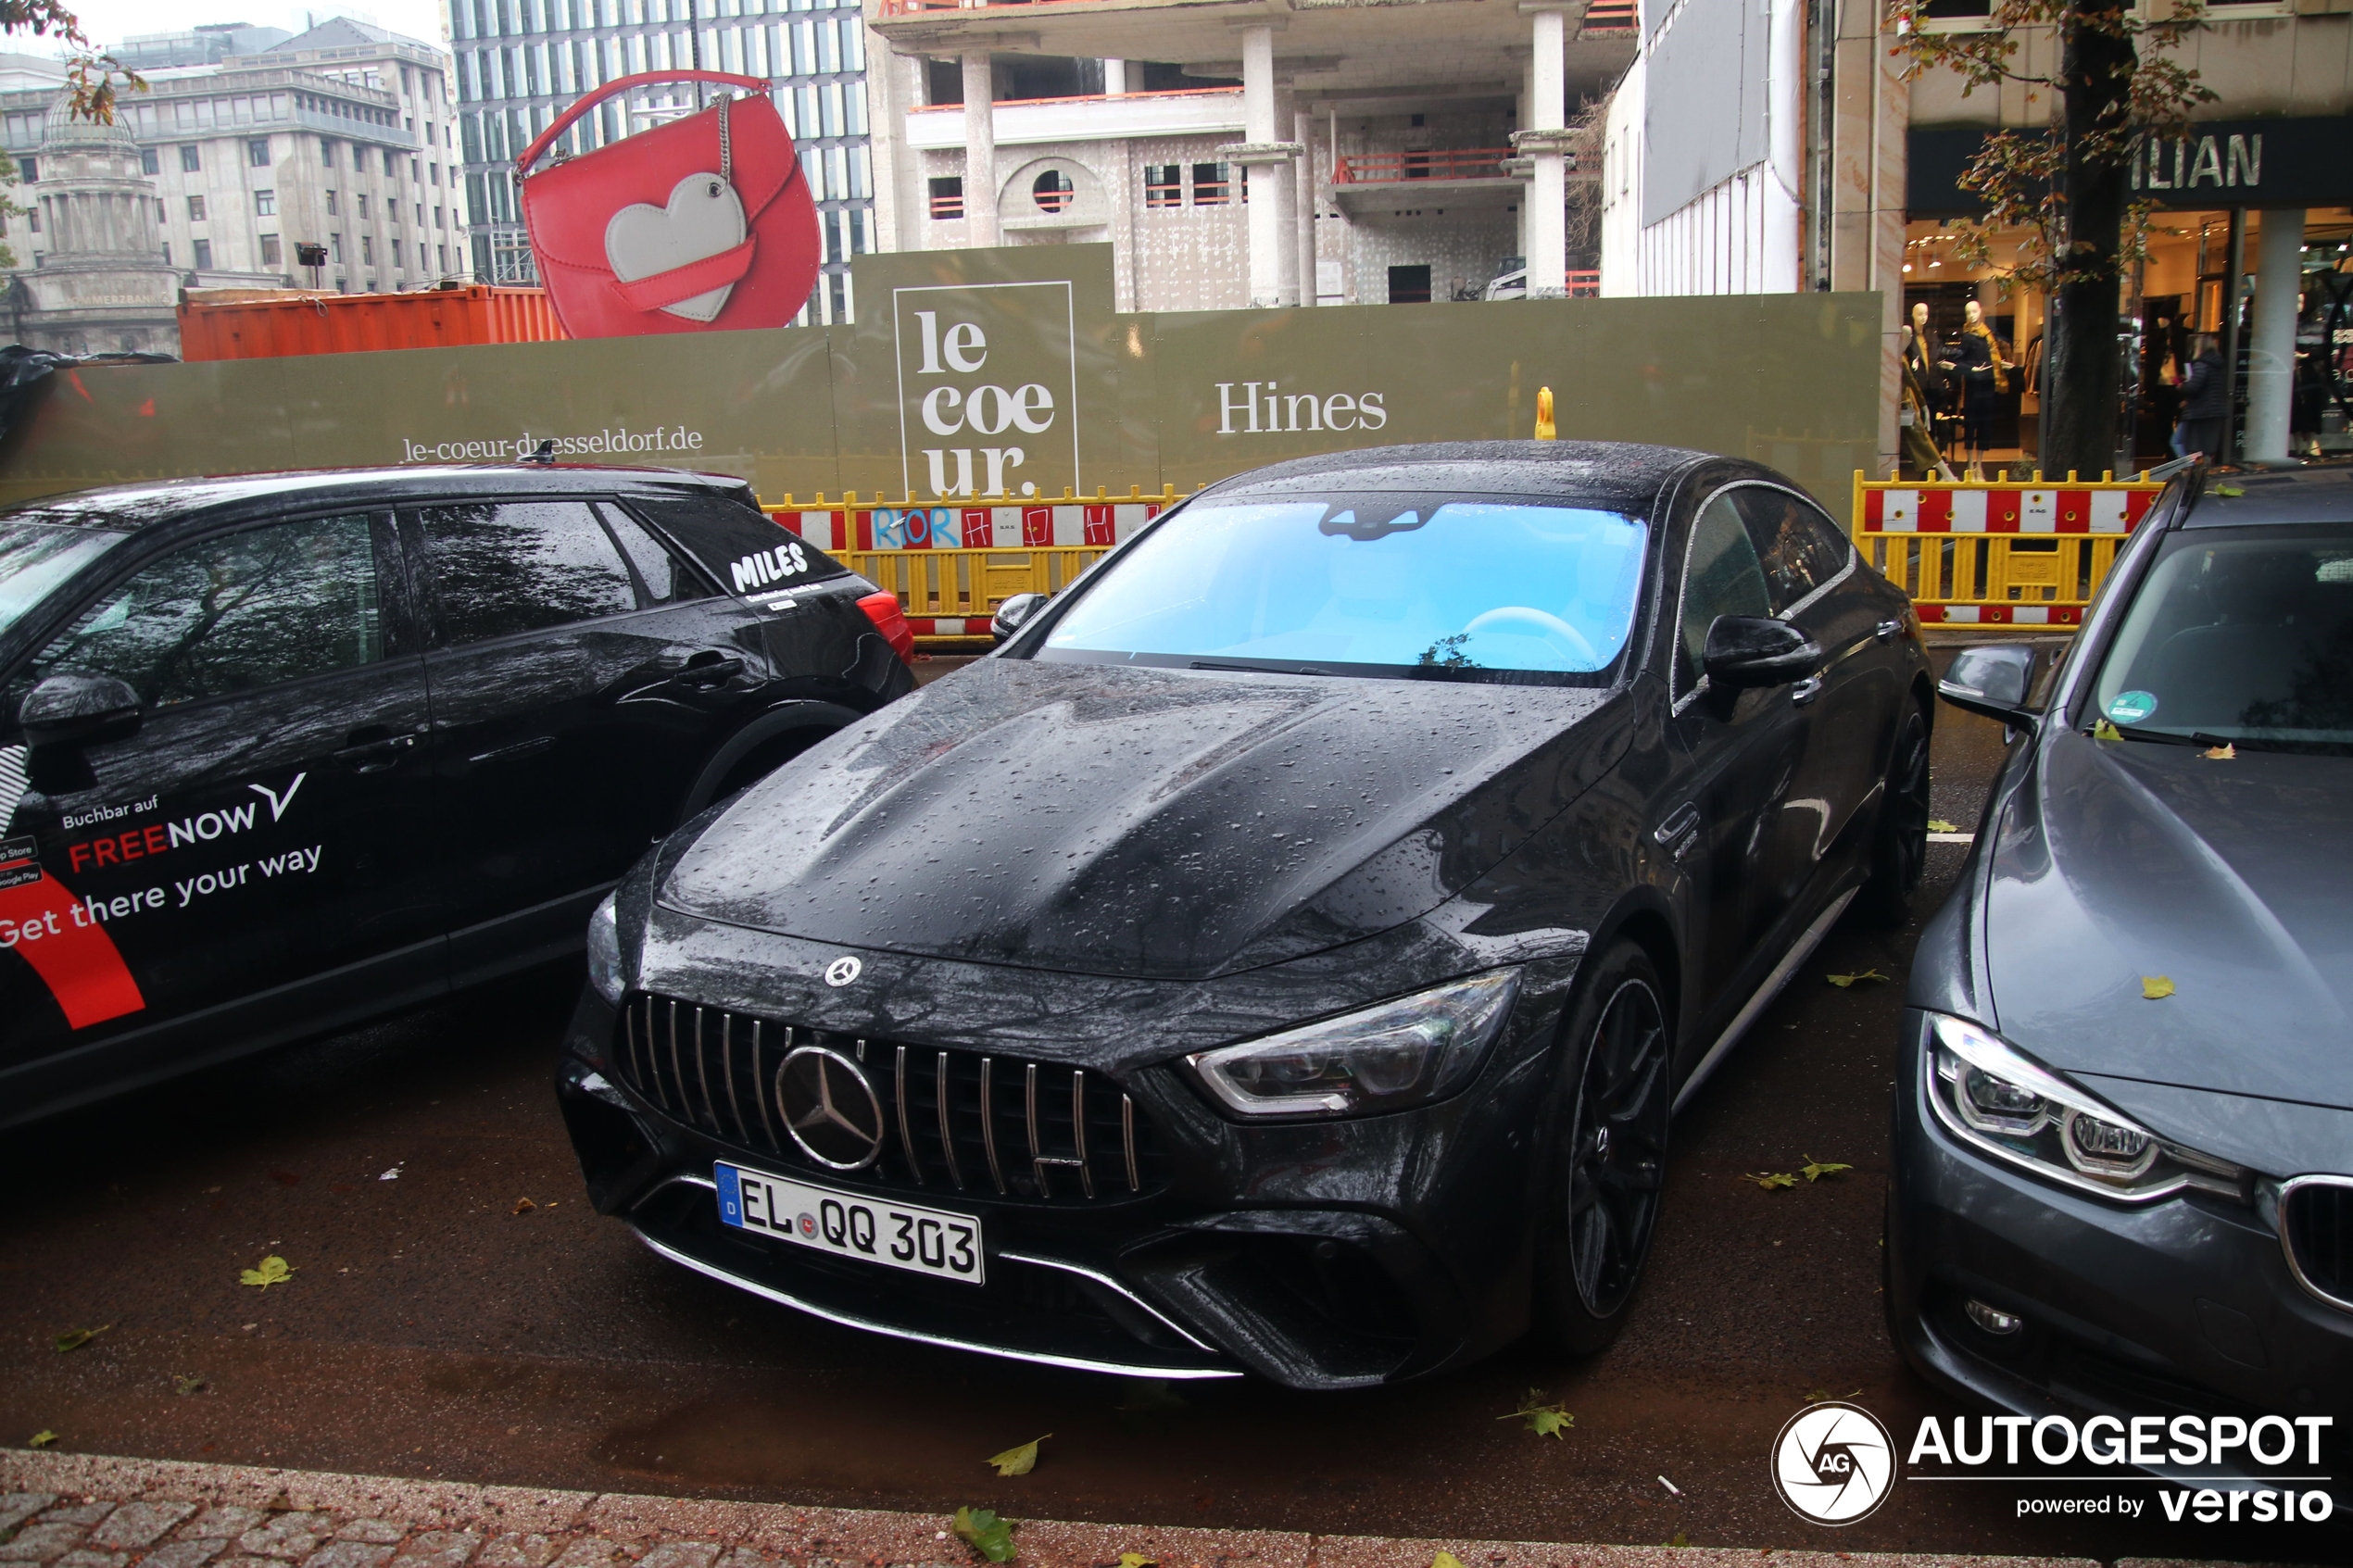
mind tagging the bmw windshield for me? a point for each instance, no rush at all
(1401, 585)
(2240, 635)
(36, 557)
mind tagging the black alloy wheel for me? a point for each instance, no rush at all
(1608, 1166)
(1899, 853)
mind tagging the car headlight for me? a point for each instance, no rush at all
(1990, 1095)
(1401, 1053)
(604, 951)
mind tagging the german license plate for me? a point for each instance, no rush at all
(897, 1236)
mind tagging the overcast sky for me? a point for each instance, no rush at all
(110, 22)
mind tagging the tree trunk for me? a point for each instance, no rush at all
(2082, 365)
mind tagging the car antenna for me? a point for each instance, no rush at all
(545, 454)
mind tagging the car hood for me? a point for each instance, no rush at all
(2120, 861)
(1110, 820)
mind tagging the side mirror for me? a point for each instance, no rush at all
(1992, 682)
(1754, 650)
(1015, 613)
(71, 711)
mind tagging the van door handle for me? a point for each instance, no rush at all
(1886, 629)
(707, 670)
(1681, 821)
(374, 748)
(1805, 691)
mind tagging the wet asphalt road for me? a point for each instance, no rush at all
(431, 1330)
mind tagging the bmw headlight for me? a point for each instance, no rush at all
(1993, 1095)
(1401, 1053)
(604, 951)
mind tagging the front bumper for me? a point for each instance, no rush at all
(2183, 1306)
(1322, 1256)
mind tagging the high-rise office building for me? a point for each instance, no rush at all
(522, 63)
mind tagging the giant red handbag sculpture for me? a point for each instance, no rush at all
(702, 224)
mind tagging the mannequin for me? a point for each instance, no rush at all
(1983, 373)
(1916, 420)
(1922, 364)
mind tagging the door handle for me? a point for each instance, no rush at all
(1681, 821)
(1886, 629)
(1805, 691)
(707, 670)
(374, 748)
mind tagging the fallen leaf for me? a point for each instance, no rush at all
(40, 1439)
(1137, 1559)
(1858, 978)
(394, 1174)
(1770, 1183)
(2225, 752)
(2103, 730)
(273, 1271)
(1815, 1170)
(522, 1206)
(74, 1339)
(2231, 490)
(1445, 1560)
(187, 1383)
(2156, 987)
(1681, 1540)
(985, 1533)
(1545, 1420)
(1938, 824)
(1018, 1462)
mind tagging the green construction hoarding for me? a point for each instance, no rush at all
(1006, 372)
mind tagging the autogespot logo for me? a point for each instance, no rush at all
(1834, 1463)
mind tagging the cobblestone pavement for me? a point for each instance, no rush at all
(77, 1510)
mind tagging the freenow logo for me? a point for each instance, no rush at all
(1834, 1463)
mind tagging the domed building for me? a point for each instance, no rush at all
(99, 285)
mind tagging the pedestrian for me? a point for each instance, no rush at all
(2202, 405)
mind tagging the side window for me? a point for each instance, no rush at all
(667, 578)
(232, 613)
(1721, 577)
(1799, 548)
(503, 567)
(750, 554)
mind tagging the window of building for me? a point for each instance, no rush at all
(366, 250)
(332, 210)
(421, 215)
(1212, 184)
(396, 262)
(433, 174)
(163, 214)
(326, 153)
(1409, 286)
(258, 152)
(334, 253)
(269, 253)
(948, 197)
(191, 158)
(195, 209)
(150, 161)
(166, 251)
(436, 219)
(204, 254)
(28, 170)
(1052, 191)
(33, 220)
(1955, 16)
(1164, 184)
(363, 204)
(265, 204)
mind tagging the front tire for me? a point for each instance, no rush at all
(1607, 1168)
(1899, 844)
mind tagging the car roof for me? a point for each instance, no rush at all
(1619, 475)
(2319, 493)
(126, 507)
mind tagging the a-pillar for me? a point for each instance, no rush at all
(2271, 363)
(980, 152)
(1262, 155)
(1544, 141)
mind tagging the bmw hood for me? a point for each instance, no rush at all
(1145, 822)
(2119, 861)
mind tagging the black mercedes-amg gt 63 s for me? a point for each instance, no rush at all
(1284, 954)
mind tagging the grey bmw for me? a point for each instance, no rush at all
(2124, 1182)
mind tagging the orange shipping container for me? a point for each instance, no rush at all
(252, 324)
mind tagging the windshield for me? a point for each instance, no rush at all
(36, 557)
(1415, 585)
(2244, 636)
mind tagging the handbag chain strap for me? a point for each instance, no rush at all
(727, 147)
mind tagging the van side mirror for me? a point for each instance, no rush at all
(1015, 613)
(67, 712)
(1755, 650)
(1991, 681)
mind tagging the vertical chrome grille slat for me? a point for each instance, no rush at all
(947, 1138)
(905, 1138)
(759, 1092)
(702, 1072)
(727, 1073)
(677, 1073)
(1078, 1129)
(1029, 1113)
(1127, 1140)
(629, 1039)
(989, 1127)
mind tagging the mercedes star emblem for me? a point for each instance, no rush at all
(829, 1107)
(842, 970)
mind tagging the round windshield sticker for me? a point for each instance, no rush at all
(2130, 707)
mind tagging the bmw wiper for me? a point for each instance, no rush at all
(2173, 737)
(1258, 668)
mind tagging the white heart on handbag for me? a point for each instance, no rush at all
(705, 218)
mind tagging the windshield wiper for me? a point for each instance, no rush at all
(2176, 737)
(1259, 669)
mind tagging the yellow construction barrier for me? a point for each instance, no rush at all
(1999, 552)
(953, 565)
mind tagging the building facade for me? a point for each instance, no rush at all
(522, 63)
(343, 137)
